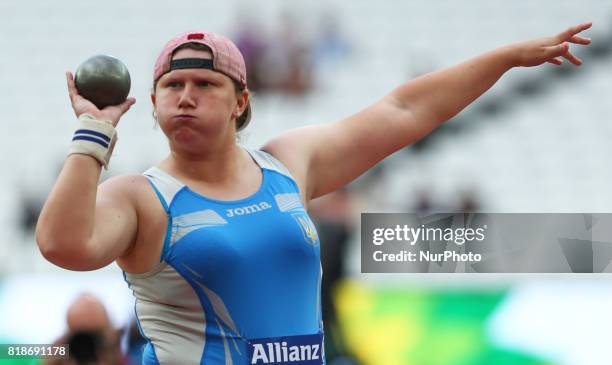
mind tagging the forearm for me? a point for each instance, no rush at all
(66, 221)
(438, 96)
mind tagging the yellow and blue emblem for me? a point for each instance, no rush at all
(308, 228)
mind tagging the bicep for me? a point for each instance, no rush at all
(115, 223)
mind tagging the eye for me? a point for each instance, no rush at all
(173, 84)
(203, 84)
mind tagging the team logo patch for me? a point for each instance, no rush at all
(308, 228)
(304, 350)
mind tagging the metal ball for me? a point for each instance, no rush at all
(103, 80)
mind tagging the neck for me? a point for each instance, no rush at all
(215, 167)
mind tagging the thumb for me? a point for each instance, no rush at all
(125, 106)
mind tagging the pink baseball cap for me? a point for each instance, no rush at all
(227, 59)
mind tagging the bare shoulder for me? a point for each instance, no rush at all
(122, 187)
(123, 184)
(138, 190)
(118, 196)
(126, 190)
(292, 148)
(131, 192)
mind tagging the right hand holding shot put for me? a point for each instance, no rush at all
(98, 94)
(99, 88)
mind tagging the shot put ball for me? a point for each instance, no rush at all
(103, 80)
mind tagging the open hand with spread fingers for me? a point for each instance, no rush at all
(550, 49)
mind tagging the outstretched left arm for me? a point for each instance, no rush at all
(328, 156)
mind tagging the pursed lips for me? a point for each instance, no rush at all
(182, 121)
(183, 117)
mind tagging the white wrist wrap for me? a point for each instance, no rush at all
(95, 138)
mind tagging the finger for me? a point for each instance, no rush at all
(125, 106)
(556, 61)
(72, 90)
(580, 40)
(573, 59)
(571, 31)
(558, 50)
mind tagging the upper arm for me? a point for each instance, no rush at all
(326, 157)
(83, 234)
(331, 155)
(115, 221)
(113, 232)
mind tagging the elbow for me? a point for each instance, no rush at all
(70, 255)
(51, 253)
(44, 242)
(57, 253)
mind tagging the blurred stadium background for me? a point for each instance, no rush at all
(537, 142)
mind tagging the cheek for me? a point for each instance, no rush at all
(217, 104)
(227, 102)
(163, 104)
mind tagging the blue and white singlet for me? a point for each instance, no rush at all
(238, 281)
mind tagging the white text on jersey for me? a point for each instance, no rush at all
(279, 353)
(249, 209)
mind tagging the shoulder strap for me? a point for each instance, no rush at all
(165, 185)
(267, 161)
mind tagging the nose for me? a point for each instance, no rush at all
(187, 98)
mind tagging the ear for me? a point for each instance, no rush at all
(153, 99)
(242, 103)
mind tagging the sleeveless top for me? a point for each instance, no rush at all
(238, 281)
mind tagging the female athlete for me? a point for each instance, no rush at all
(215, 240)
